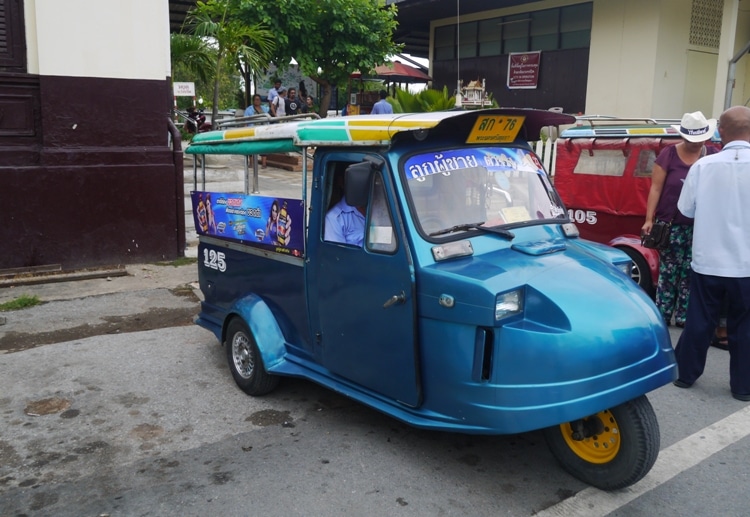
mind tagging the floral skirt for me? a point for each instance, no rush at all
(673, 288)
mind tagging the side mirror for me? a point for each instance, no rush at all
(357, 183)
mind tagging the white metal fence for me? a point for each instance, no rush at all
(546, 149)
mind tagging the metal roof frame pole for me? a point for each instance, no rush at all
(731, 73)
(195, 172)
(306, 221)
(255, 190)
(246, 177)
(256, 186)
(203, 170)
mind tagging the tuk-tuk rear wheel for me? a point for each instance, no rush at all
(245, 361)
(610, 450)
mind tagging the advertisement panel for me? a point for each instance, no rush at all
(271, 223)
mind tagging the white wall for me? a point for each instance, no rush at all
(127, 39)
(672, 63)
(32, 48)
(622, 58)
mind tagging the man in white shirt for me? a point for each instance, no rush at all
(278, 106)
(715, 193)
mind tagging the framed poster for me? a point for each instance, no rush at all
(523, 69)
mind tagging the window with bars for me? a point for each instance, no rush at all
(12, 37)
(548, 29)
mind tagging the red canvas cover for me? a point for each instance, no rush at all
(624, 194)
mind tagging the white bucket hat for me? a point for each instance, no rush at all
(695, 128)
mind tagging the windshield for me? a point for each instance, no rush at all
(480, 188)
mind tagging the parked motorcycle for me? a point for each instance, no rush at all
(196, 121)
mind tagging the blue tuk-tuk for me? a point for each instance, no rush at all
(466, 302)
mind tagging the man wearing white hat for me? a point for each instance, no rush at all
(715, 193)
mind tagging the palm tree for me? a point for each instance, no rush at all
(191, 54)
(248, 45)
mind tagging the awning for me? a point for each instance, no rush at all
(401, 73)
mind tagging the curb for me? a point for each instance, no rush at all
(57, 276)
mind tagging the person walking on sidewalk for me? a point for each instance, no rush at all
(382, 106)
(715, 194)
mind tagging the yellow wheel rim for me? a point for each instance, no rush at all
(598, 448)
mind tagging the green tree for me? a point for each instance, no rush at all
(329, 39)
(245, 45)
(191, 56)
(193, 61)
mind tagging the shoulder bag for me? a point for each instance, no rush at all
(658, 238)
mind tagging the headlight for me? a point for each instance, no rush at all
(508, 304)
(625, 267)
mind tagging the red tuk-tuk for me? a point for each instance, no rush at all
(603, 174)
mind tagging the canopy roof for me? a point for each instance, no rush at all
(361, 130)
(401, 73)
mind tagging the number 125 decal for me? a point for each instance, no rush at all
(581, 216)
(214, 260)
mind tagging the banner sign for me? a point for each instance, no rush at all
(523, 69)
(184, 89)
(270, 223)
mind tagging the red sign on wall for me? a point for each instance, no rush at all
(523, 69)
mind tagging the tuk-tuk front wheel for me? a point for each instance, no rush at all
(609, 450)
(640, 272)
(245, 361)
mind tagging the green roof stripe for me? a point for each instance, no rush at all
(244, 148)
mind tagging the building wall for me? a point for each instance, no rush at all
(95, 38)
(741, 91)
(640, 63)
(643, 64)
(88, 177)
(622, 60)
(562, 73)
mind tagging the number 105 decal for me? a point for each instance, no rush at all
(215, 260)
(582, 216)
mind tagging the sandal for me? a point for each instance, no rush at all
(720, 342)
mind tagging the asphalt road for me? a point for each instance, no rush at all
(151, 423)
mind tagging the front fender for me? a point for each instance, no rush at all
(263, 325)
(651, 256)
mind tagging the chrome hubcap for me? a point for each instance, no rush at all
(242, 355)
